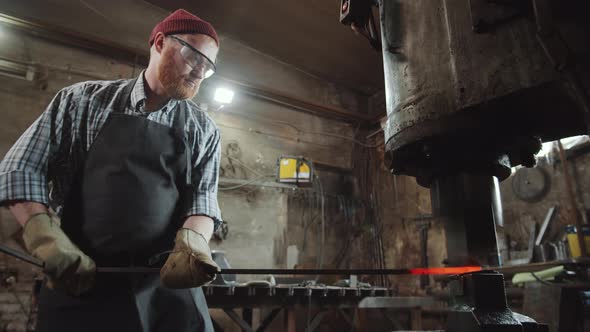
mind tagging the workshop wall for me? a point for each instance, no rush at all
(520, 216)
(395, 210)
(263, 220)
(401, 208)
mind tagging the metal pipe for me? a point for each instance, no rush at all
(497, 210)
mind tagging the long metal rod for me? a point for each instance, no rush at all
(22, 256)
(416, 271)
(133, 270)
(264, 271)
(450, 270)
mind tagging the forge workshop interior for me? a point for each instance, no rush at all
(315, 165)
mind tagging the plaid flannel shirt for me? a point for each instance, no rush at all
(39, 165)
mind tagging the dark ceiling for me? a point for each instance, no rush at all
(305, 34)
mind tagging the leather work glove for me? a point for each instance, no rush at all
(66, 266)
(190, 263)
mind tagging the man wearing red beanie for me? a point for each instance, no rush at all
(133, 166)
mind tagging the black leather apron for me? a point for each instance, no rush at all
(124, 207)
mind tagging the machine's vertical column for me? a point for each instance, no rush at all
(465, 202)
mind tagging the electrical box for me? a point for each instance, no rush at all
(297, 170)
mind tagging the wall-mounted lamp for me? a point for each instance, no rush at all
(223, 96)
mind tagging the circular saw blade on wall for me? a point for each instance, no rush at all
(530, 184)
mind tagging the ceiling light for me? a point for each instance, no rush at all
(223, 96)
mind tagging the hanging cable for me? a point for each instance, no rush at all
(241, 163)
(244, 184)
(366, 27)
(299, 131)
(371, 27)
(322, 226)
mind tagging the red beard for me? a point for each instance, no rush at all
(176, 86)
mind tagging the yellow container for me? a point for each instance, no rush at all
(572, 239)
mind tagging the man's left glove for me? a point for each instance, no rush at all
(190, 263)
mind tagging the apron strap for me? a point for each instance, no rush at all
(179, 123)
(125, 96)
(180, 116)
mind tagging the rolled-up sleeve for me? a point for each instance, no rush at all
(23, 170)
(205, 179)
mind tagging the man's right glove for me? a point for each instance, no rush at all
(190, 264)
(67, 267)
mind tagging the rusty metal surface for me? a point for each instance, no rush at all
(485, 87)
(477, 137)
(415, 46)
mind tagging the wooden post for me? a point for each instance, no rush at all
(572, 198)
(290, 320)
(360, 319)
(247, 316)
(416, 318)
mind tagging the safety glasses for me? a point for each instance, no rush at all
(195, 58)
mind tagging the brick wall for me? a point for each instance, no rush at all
(17, 279)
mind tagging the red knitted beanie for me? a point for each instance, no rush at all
(182, 21)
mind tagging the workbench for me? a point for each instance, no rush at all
(345, 300)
